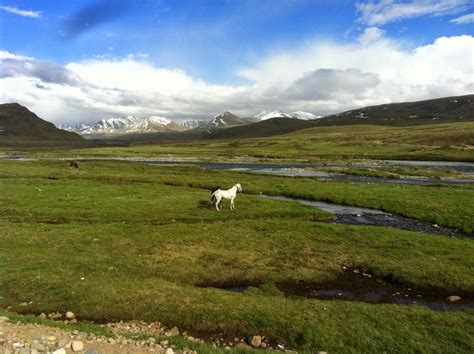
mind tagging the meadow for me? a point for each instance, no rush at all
(128, 240)
(447, 141)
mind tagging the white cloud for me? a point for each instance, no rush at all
(442, 68)
(380, 12)
(370, 35)
(24, 13)
(468, 18)
(319, 77)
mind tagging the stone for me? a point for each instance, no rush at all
(39, 347)
(55, 315)
(4, 319)
(453, 298)
(77, 346)
(61, 344)
(51, 339)
(92, 351)
(42, 316)
(169, 351)
(164, 342)
(60, 351)
(242, 346)
(70, 315)
(174, 331)
(255, 341)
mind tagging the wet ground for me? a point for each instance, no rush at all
(349, 215)
(355, 285)
(309, 170)
(333, 176)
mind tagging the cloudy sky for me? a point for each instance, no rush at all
(84, 60)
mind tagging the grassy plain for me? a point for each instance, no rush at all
(143, 238)
(451, 141)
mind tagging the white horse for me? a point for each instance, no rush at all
(231, 193)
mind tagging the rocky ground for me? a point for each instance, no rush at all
(128, 337)
(34, 339)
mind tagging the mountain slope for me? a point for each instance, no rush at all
(268, 127)
(440, 110)
(227, 120)
(21, 127)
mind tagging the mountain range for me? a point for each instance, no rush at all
(20, 127)
(154, 124)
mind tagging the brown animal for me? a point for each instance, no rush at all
(72, 164)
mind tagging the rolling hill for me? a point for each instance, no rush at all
(439, 110)
(19, 127)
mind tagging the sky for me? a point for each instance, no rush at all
(85, 60)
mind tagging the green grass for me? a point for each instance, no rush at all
(450, 141)
(398, 172)
(143, 237)
(447, 205)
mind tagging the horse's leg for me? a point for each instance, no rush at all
(218, 200)
(232, 207)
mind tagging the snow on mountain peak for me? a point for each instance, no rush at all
(303, 115)
(123, 125)
(264, 115)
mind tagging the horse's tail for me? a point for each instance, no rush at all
(213, 195)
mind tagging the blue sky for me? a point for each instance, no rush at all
(221, 51)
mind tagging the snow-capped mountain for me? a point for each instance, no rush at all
(227, 120)
(264, 115)
(125, 125)
(152, 124)
(191, 124)
(304, 115)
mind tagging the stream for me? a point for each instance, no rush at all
(349, 215)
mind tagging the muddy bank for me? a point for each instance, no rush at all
(349, 215)
(355, 285)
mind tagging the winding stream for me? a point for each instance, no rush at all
(349, 215)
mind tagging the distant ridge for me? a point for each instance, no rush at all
(438, 110)
(227, 120)
(21, 127)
